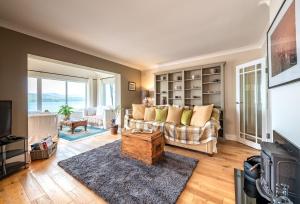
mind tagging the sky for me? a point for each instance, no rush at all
(56, 86)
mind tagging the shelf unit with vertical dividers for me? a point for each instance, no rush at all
(198, 85)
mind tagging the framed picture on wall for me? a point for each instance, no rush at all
(131, 86)
(283, 43)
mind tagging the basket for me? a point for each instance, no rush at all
(43, 154)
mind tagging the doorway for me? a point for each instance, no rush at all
(251, 98)
(90, 93)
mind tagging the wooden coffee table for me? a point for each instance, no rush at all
(146, 147)
(73, 124)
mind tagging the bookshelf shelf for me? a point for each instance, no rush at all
(212, 74)
(211, 82)
(205, 81)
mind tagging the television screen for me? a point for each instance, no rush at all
(5, 118)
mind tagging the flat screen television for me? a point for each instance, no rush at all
(5, 118)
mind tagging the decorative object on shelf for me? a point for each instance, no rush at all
(196, 76)
(214, 71)
(66, 111)
(163, 92)
(216, 80)
(177, 87)
(164, 101)
(163, 78)
(178, 97)
(146, 96)
(196, 96)
(282, 46)
(179, 78)
(131, 86)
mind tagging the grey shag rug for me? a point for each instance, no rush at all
(120, 179)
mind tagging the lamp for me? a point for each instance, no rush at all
(146, 96)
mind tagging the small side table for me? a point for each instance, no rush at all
(10, 147)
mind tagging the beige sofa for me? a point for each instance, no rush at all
(202, 139)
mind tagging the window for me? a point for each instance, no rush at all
(76, 95)
(50, 94)
(32, 94)
(53, 94)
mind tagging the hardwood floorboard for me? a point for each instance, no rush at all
(45, 182)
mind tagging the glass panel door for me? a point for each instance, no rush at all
(250, 102)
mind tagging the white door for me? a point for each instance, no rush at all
(251, 99)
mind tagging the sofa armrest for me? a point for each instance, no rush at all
(127, 117)
(210, 130)
(128, 113)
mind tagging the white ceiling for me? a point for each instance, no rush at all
(141, 33)
(50, 66)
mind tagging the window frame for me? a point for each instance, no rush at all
(66, 81)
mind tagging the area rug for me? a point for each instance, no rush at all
(119, 179)
(79, 133)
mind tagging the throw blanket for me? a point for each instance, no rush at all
(178, 133)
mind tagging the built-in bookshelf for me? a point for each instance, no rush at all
(199, 85)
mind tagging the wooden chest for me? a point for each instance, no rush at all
(145, 147)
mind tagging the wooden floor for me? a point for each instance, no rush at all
(45, 182)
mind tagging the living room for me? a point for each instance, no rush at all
(205, 95)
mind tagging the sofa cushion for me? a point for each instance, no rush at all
(174, 115)
(201, 114)
(161, 114)
(186, 117)
(149, 114)
(138, 111)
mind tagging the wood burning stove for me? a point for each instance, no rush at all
(280, 164)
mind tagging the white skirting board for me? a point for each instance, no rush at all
(231, 137)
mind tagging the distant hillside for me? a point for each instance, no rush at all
(53, 97)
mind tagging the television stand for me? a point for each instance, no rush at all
(13, 154)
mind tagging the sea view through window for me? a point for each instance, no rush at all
(55, 93)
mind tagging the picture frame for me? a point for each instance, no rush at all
(283, 45)
(131, 86)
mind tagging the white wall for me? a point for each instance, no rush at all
(232, 60)
(284, 101)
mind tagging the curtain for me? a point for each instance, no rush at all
(107, 92)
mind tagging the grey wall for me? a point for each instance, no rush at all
(14, 48)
